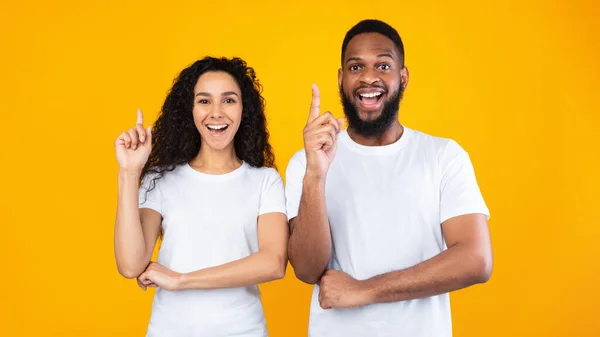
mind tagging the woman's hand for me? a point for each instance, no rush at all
(157, 275)
(133, 147)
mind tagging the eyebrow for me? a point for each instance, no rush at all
(226, 93)
(355, 58)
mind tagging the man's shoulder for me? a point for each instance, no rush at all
(424, 139)
(299, 157)
(296, 165)
(442, 148)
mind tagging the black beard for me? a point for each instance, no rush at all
(376, 127)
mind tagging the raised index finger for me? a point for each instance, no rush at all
(140, 117)
(315, 104)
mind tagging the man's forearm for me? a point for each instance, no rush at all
(309, 247)
(455, 268)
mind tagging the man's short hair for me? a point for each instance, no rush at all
(374, 26)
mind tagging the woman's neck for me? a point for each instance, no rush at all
(212, 161)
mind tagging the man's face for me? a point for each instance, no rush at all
(372, 81)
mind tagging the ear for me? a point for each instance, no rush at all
(340, 76)
(404, 75)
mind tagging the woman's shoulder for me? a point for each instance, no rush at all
(164, 173)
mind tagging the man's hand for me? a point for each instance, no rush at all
(340, 290)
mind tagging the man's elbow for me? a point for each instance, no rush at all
(308, 269)
(307, 275)
(483, 268)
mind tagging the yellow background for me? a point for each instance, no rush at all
(513, 82)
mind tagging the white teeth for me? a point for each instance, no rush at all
(217, 127)
(372, 94)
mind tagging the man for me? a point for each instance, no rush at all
(385, 220)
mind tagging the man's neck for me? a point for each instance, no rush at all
(389, 136)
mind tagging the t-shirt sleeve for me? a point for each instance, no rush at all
(272, 198)
(460, 193)
(149, 195)
(293, 187)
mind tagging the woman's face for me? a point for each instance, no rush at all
(217, 109)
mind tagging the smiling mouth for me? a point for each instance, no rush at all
(217, 129)
(370, 99)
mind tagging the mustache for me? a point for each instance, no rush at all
(365, 86)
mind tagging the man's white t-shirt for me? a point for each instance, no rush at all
(209, 220)
(385, 206)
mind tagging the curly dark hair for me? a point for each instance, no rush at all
(175, 138)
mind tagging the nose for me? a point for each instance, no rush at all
(369, 76)
(216, 111)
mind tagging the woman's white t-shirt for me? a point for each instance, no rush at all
(209, 220)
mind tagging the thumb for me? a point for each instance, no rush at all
(340, 122)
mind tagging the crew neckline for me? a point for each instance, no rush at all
(345, 139)
(214, 177)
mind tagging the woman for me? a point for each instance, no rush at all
(209, 187)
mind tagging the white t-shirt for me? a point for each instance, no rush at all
(209, 220)
(385, 206)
